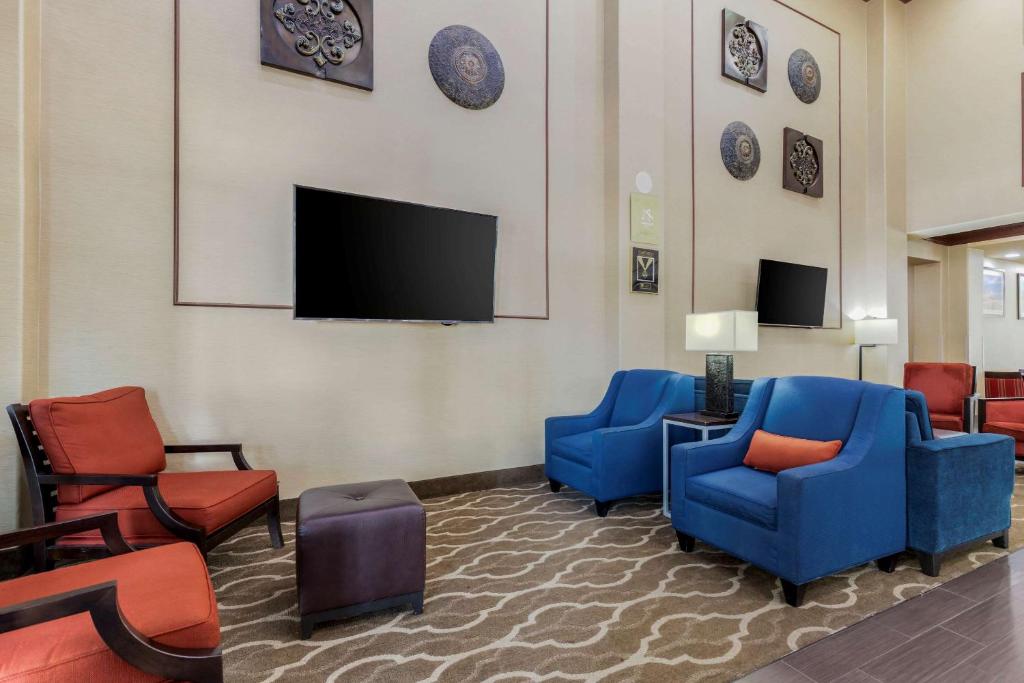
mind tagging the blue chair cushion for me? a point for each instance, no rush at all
(577, 448)
(738, 491)
(639, 394)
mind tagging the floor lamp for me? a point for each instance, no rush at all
(872, 332)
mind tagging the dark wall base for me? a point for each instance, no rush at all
(477, 481)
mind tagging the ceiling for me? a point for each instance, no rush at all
(999, 250)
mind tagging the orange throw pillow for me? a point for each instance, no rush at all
(775, 453)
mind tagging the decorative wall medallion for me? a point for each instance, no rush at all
(645, 270)
(744, 51)
(329, 39)
(741, 152)
(804, 76)
(466, 67)
(802, 163)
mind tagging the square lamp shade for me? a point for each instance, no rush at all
(722, 331)
(876, 331)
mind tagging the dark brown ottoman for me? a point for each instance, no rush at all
(359, 548)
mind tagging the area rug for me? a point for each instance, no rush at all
(527, 585)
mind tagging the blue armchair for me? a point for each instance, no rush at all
(807, 522)
(615, 451)
(959, 490)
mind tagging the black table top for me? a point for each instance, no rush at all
(702, 420)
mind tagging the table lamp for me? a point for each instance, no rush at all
(872, 332)
(720, 333)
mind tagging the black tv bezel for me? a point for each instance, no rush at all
(757, 296)
(295, 316)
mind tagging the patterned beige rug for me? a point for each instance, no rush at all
(526, 585)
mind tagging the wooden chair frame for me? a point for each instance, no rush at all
(42, 489)
(100, 601)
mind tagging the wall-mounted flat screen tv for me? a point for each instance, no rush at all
(361, 258)
(790, 294)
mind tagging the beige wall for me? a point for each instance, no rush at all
(337, 402)
(964, 112)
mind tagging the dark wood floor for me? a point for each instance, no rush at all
(969, 630)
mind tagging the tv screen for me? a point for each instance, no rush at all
(360, 258)
(790, 294)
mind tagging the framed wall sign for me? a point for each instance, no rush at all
(1020, 296)
(644, 218)
(645, 270)
(993, 292)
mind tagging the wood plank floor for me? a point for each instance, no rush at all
(969, 629)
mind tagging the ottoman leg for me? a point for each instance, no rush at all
(306, 626)
(417, 603)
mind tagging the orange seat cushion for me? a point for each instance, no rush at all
(209, 500)
(165, 593)
(774, 453)
(110, 432)
(1014, 429)
(947, 421)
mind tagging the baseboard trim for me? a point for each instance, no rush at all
(477, 481)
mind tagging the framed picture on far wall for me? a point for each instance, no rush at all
(993, 292)
(1020, 296)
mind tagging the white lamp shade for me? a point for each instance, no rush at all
(876, 331)
(722, 331)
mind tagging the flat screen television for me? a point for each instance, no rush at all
(790, 294)
(361, 258)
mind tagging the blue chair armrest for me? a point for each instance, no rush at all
(959, 489)
(700, 457)
(567, 425)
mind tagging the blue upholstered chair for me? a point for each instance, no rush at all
(615, 451)
(807, 522)
(959, 489)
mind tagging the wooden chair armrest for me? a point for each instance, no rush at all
(99, 479)
(100, 601)
(106, 523)
(235, 449)
(159, 507)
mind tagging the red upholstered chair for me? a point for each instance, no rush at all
(1003, 416)
(149, 615)
(948, 389)
(1004, 384)
(103, 453)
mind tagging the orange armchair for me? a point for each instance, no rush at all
(140, 616)
(86, 455)
(1004, 384)
(948, 388)
(1003, 416)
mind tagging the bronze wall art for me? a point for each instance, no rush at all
(744, 51)
(741, 152)
(802, 163)
(466, 67)
(328, 39)
(804, 76)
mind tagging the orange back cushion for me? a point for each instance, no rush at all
(944, 385)
(110, 432)
(775, 453)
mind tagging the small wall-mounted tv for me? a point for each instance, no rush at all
(361, 258)
(791, 294)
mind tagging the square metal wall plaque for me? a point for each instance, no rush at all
(803, 163)
(744, 50)
(328, 39)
